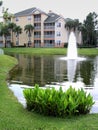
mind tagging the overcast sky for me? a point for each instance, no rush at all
(75, 9)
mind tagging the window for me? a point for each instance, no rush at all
(37, 41)
(17, 19)
(29, 17)
(17, 43)
(58, 24)
(58, 33)
(58, 42)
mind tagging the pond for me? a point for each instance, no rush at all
(51, 71)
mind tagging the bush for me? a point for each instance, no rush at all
(58, 103)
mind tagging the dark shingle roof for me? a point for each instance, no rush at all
(24, 12)
(52, 17)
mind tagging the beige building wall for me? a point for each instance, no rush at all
(22, 21)
(62, 31)
(43, 17)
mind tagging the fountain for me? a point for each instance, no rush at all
(72, 53)
(72, 47)
(72, 58)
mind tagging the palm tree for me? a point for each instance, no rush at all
(11, 27)
(73, 25)
(17, 30)
(4, 31)
(69, 24)
(29, 29)
(77, 30)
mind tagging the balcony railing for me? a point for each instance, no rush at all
(37, 28)
(49, 45)
(8, 37)
(49, 27)
(37, 36)
(37, 19)
(49, 36)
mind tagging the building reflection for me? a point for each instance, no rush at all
(41, 70)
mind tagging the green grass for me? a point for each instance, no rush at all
(14, 117)
(50, 51)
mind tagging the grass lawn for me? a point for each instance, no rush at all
(50, 51)
(14, 117)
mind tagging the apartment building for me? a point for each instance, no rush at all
(49, 28)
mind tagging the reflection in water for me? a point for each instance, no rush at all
(33, 70)
(46, 69)
(71, 69)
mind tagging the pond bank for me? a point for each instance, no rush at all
(50, 51)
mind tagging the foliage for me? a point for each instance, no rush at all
(4, 31)
(6, 15)
(17, 30)
(11, 27)
(29, 29)
(75, 26)
(89, 27)
(58, 103)
(7, 29)
(72, 24)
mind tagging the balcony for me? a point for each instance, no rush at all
(37, 28)
(37, 36)
(49, 36)
(49, 28)
(8, 38)
(37, 19)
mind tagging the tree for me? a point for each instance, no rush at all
(11, 27)
(17, 31)
(6, 15)
(69, 24)
(90, 25)
(29, 29)
(73, 25)
(4, 31)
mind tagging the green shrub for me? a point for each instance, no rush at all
(58, 103)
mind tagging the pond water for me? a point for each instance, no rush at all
(51, 71)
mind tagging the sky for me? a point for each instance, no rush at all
(74, 9)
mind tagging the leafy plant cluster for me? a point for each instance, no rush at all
(58, 103)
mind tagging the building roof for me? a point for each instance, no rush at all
(28, 12)
(24, 12)
(52, 17)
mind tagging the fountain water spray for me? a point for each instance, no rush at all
(72, 47)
